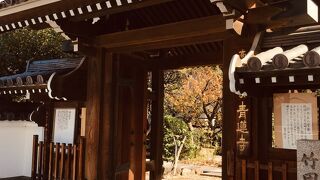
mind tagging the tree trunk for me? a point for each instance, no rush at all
(190, 126)
(177, 154)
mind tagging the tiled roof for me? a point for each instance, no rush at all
(287, 60)
(37, 75)
(277, 58)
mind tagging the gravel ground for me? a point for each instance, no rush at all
(194, 177)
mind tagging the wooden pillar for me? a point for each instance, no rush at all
(100, 90)
(157, 124)
(231, 46)
(34, 157)
(48, 128)
(140, 124)
(105, 148)
(94, 100)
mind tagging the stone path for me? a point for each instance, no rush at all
(190, 172)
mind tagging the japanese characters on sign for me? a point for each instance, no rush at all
(295, 118)
(308, 156)
(296, 123)
(64, 125)
(243, 133)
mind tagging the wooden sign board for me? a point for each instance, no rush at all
(295, 118)
(64, 125)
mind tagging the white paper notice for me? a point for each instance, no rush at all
(296, 123)
(64, 125)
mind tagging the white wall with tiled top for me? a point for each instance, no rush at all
(16, 139)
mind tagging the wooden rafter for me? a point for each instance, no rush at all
(77, 10)
(44, 10)
(128, 7)
(207, 29)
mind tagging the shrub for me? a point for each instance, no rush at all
(175, 130)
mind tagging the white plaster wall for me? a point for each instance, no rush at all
(16, 138)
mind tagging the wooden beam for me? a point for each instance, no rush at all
(207, 29)
(177, 62)
(240, 5)
(284, 14)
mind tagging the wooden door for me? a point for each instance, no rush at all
(130, 119)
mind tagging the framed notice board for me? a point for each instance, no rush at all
(64, 125)
(295, 118)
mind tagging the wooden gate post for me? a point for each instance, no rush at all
(98, 146)
(231, 46)
(105, 169)
(157, 124)
(94, 92)
(34, 157)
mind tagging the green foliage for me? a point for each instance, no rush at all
(217, 143)
(23, 45)
(174, 130)
(207, 138)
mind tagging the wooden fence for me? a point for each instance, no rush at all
(57, 161)
(270, 170)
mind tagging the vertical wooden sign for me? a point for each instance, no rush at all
(243, 127)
